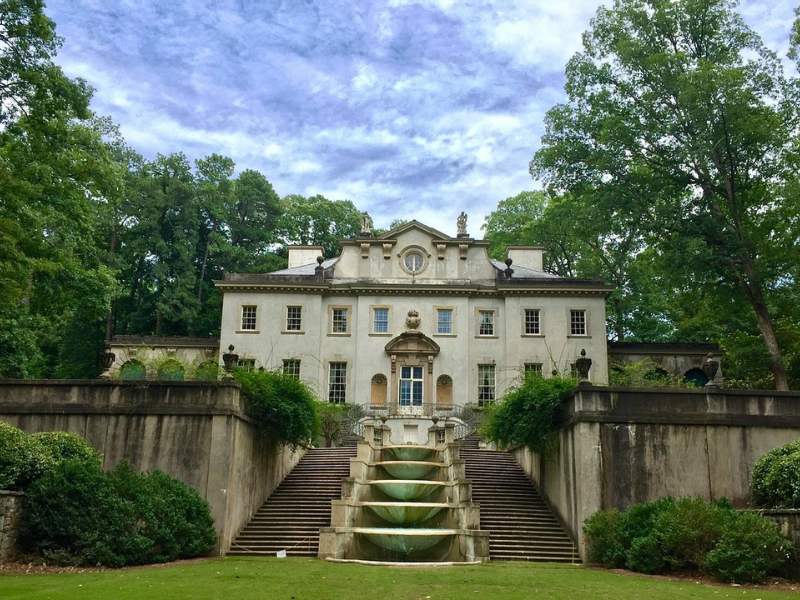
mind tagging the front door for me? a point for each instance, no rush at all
(410, 392)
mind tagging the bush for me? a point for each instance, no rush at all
(527, 415)
(750, 549)
(776, 478)
(59, 446)
(282, 405)
(643, 373)
(688, 534)
(604, 544)
(78, 514)
(680, 535)
(14, 456)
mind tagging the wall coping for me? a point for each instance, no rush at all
(773, 511)
(700, 391)
(119, 382)
(11, 493)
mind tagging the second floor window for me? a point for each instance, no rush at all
(532, 322)
(247, 364)
(291, 366)
(444, 321)
(294, 318)
(577, 322)
(380, 319)
(337, 382)
(485, 322)
(248, 318)
(339, 318)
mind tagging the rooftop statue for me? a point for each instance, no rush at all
(366, 223)
(461, 224)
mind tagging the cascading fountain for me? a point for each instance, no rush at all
(405, 503)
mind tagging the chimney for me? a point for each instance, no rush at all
(303, 255)
(531, 257)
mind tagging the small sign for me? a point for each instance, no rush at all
(281, 554)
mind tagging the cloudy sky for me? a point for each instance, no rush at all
(411, 109)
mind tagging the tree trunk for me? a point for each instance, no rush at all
(756, 296)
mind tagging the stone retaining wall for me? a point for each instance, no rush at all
(195, 431)
(10, 520)
(619, 446)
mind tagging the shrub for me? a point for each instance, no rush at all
(750, 549)
(73, 514)
(61, 445)
(680, 535)
(604, 544)
(77, 514)
(776, 478)
(14, 456)
(527, 415)
(282, 405)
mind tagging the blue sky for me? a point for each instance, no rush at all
(409, 109)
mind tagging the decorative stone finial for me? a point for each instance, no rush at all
(582, 366)
(509, 271)
(230, 360)
(366, 224)
(320, 260)
(461, 225)
(412, 320)
(710, 368)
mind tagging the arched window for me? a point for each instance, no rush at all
(444, 391)
(132, 369)
(207, 371)
(377, 395)
(171, 370)
(696, 377)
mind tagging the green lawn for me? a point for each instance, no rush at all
(304, 579)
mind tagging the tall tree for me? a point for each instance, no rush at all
(318, 221)
(678, 104)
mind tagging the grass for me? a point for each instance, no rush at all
(242, 578)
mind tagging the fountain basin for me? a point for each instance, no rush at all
(407, 489)
(405, 513)
(408, 469)
(407, 452)
(405, 541)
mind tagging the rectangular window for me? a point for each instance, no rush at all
(485, 384)
(294, 318)
(532, 322)
(248, 318)
(339, 320)
(485, 322)
(247, 364)
(380, 319)
(533, 368)
(337, 382)
(577, 322)
(444, 321)
(291, 366)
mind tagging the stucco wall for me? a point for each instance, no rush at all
(619, 447)
(196, 432)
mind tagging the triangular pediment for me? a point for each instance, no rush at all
(412, 342)
(400, 229)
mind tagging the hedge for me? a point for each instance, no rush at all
(688, 535)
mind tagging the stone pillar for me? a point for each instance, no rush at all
(10, 521)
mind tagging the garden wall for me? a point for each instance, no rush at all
(621, 446)
(194, 431)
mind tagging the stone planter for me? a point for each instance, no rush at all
(10, 521)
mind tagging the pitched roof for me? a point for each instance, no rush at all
(411, 225)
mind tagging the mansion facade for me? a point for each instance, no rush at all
(413, 318)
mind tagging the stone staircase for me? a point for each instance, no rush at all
(521, 526)
(292, 516)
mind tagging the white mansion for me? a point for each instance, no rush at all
(413, 318)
